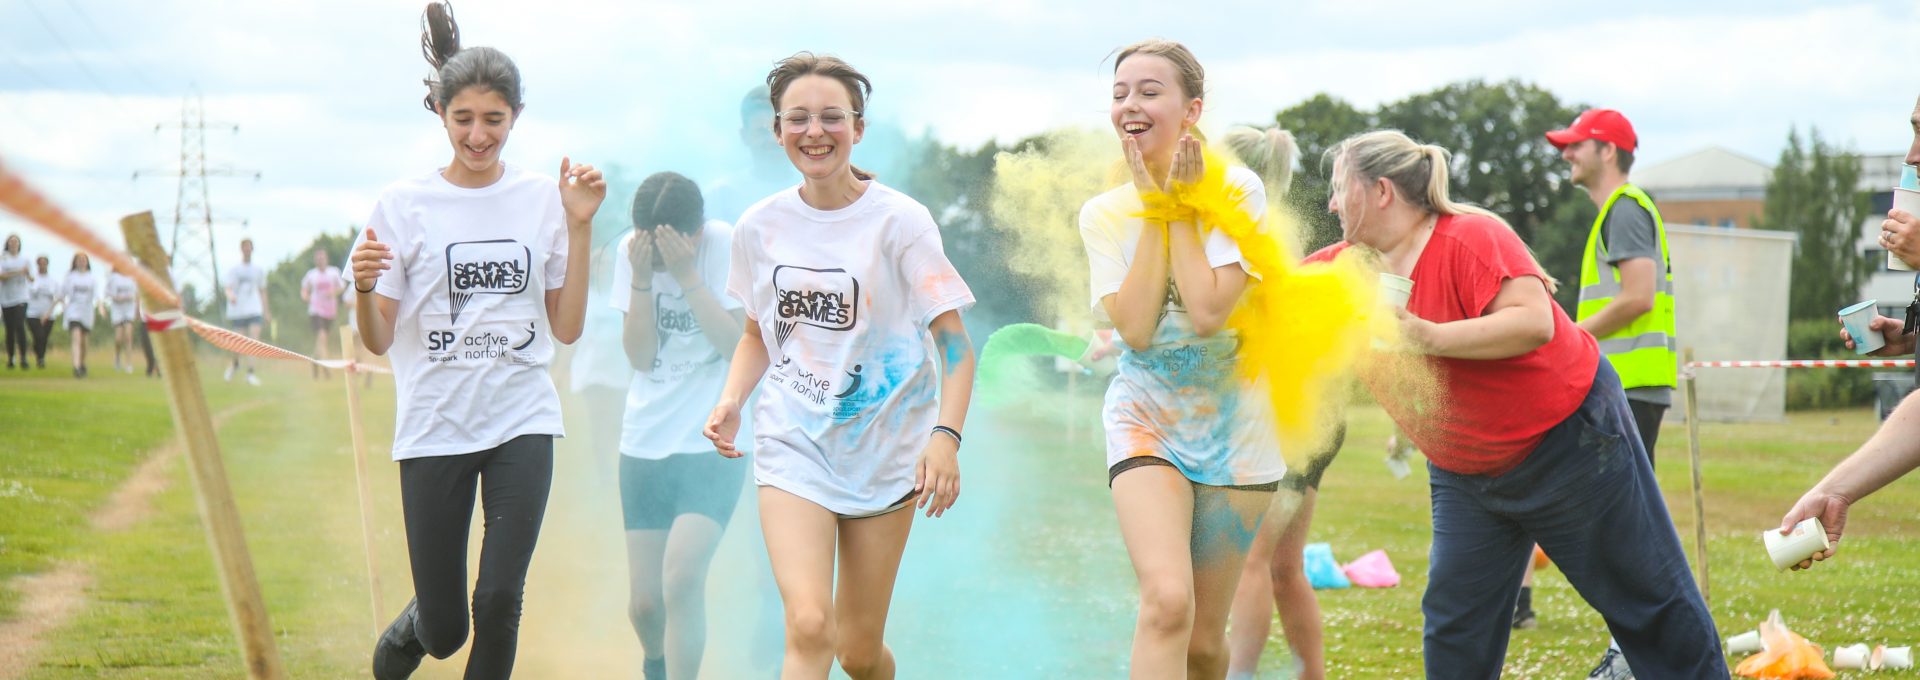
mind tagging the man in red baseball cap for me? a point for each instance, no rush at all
(1626, 289)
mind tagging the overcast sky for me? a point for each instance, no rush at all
(327, 94)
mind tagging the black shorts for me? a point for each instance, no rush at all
(320, 323)
(1126, 464)
(240, 323)
(1317, 465)
(654, 492)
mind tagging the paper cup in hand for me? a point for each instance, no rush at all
(1807, 538)
(1395, 290)
(1857, 318)
(1906, 200)
(1745, 643)
(1854, 657)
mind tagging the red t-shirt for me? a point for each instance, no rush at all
(1492, 413)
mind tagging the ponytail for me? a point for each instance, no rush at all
(1419, 173)
(1268, 153)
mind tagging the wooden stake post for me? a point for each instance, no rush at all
(1693, 452)
(350, 351)
(215, 497)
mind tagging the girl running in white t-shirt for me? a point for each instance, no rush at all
(123, 310)
(679, 332)
(79, 293)
(853, 330)
(1192, 458)
(469, 274)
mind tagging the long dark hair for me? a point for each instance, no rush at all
(457, 69)
(671, 199)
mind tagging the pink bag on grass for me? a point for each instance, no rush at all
(1372, 570)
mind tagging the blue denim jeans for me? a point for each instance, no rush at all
(1587, 495)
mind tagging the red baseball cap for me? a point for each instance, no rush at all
(1606, 125)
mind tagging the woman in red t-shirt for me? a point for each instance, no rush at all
(1529, 438)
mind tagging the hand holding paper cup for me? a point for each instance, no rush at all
(1906, 198)
(1806, 539)
(1858, 319)
(1394, 292)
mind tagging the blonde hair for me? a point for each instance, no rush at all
(1268, 153)
(1418, 171)
(1193, 78)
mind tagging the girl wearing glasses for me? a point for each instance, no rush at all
(853, 327)
(470, 274)
(1192, 464)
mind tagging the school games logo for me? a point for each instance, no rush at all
(497, 267)
(823, 298)
(673, 316)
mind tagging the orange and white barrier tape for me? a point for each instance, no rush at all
(30, 205)
(1808, 363)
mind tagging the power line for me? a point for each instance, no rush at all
(95, 28)
(75, 58)
(35, 75)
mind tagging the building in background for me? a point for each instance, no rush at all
(1712, 187)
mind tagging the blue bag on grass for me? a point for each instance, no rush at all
(1322, 571)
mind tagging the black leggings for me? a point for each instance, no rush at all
(437, 492)
(16, 321)
(41, 329)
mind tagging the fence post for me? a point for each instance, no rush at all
(214, 495)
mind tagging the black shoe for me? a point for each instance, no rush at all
(399, 651)
(1525, 620)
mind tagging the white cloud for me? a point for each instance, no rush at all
(327, 93)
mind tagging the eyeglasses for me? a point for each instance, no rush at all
(831, 120)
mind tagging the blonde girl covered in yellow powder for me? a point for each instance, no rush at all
(1192, 465)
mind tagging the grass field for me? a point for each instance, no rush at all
(1026, 578)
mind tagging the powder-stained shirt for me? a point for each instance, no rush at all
(1492, 413)
(843, 299)
(1179, 399)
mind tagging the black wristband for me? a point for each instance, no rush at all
(356, 289)
(955, 434)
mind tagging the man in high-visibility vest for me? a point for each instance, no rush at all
(1626, 284)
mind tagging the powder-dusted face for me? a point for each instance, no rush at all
(816, 151)
(1149, 105)
(478, 121)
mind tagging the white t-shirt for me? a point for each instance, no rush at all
(1178, 399)
(13, 291)
(245, 280)
(471, 271)
(40, 297)
(122, 298)
(668, 405)
(323, 291)
(79, 291)
(843, 299)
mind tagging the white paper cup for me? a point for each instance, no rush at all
(1898, 657)
(1854, 657)
(1395, 290)
(1907, 200)
(1745, 643)
(1807, 538)
(1856, 318)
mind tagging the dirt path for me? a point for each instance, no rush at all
(49, 600)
